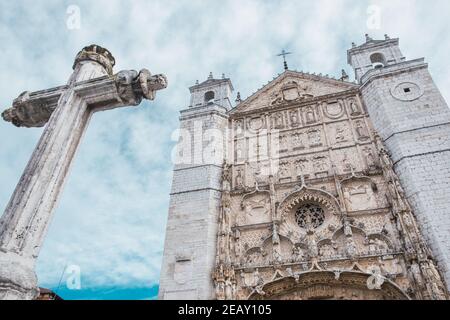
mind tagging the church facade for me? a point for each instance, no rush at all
(313, 187)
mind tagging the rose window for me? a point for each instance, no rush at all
(309, 215)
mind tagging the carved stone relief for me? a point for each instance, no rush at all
(277, 120)
(334, 110)
(354, 108)
(259, 171)
(371, 160)
(238, 127)
(291, 91)
(341, 133)
(315, 137)
(321, 166)
(256, 209)
(255, 124)
(310, 115)
(239, 152)
(326, 285)
(302, 167)
(239, 179)
(359, 195)
(284, 143)
(294, 118)
(336, 211)
(284, 172)
(347, 163)
(361, 131)
(297, 139)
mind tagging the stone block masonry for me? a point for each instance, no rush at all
(413, 119)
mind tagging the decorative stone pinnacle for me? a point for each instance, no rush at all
(238, 98)
(303, 182)
(386, 37)
(344, 75)
(210, 76)
(97, 54)
(368, 38)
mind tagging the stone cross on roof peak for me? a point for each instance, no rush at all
(284, 54)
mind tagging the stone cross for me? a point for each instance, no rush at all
(65, 111)
(284, 54)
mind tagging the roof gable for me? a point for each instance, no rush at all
(291, 86)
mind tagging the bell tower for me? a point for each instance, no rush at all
(212, 92)
(413, 119)
(190, 245)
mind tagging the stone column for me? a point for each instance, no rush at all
(28, 214)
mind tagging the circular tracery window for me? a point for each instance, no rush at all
(309, 215)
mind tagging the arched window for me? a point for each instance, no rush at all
(209, 97)
(378, 60)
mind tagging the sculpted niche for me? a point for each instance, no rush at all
(359, 194)
(255, 209)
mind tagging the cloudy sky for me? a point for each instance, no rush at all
(111, 219)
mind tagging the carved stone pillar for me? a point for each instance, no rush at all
(27, 216)
(66, 110)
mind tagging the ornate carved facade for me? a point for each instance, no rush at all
(311, 207)
(330, 189)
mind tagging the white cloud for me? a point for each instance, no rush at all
(112, 215)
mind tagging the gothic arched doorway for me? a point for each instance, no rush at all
(327, 285)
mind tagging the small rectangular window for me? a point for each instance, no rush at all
(407, 90)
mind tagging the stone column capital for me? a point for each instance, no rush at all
(98, 54)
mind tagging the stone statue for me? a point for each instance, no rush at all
(297, 254)
(340, 134)
(258, 281)
(347, 229)
(314, 137)
(354, 109)
(220, 291)
(297, 140)
(361, 131)
(128, 80)
(294, 118)
(277, 121)
(238, 127)
(348, 167)
(226, 177)
(313, 250)
(372, 247)
(370, 159)
(351, 249)
(228, 289)
(239, 179)
(310, 116)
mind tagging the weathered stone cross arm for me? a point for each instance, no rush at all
(65, 111)
(125, 88)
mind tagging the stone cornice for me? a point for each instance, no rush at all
(195, 112)
(209, 83)
(392, 70)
